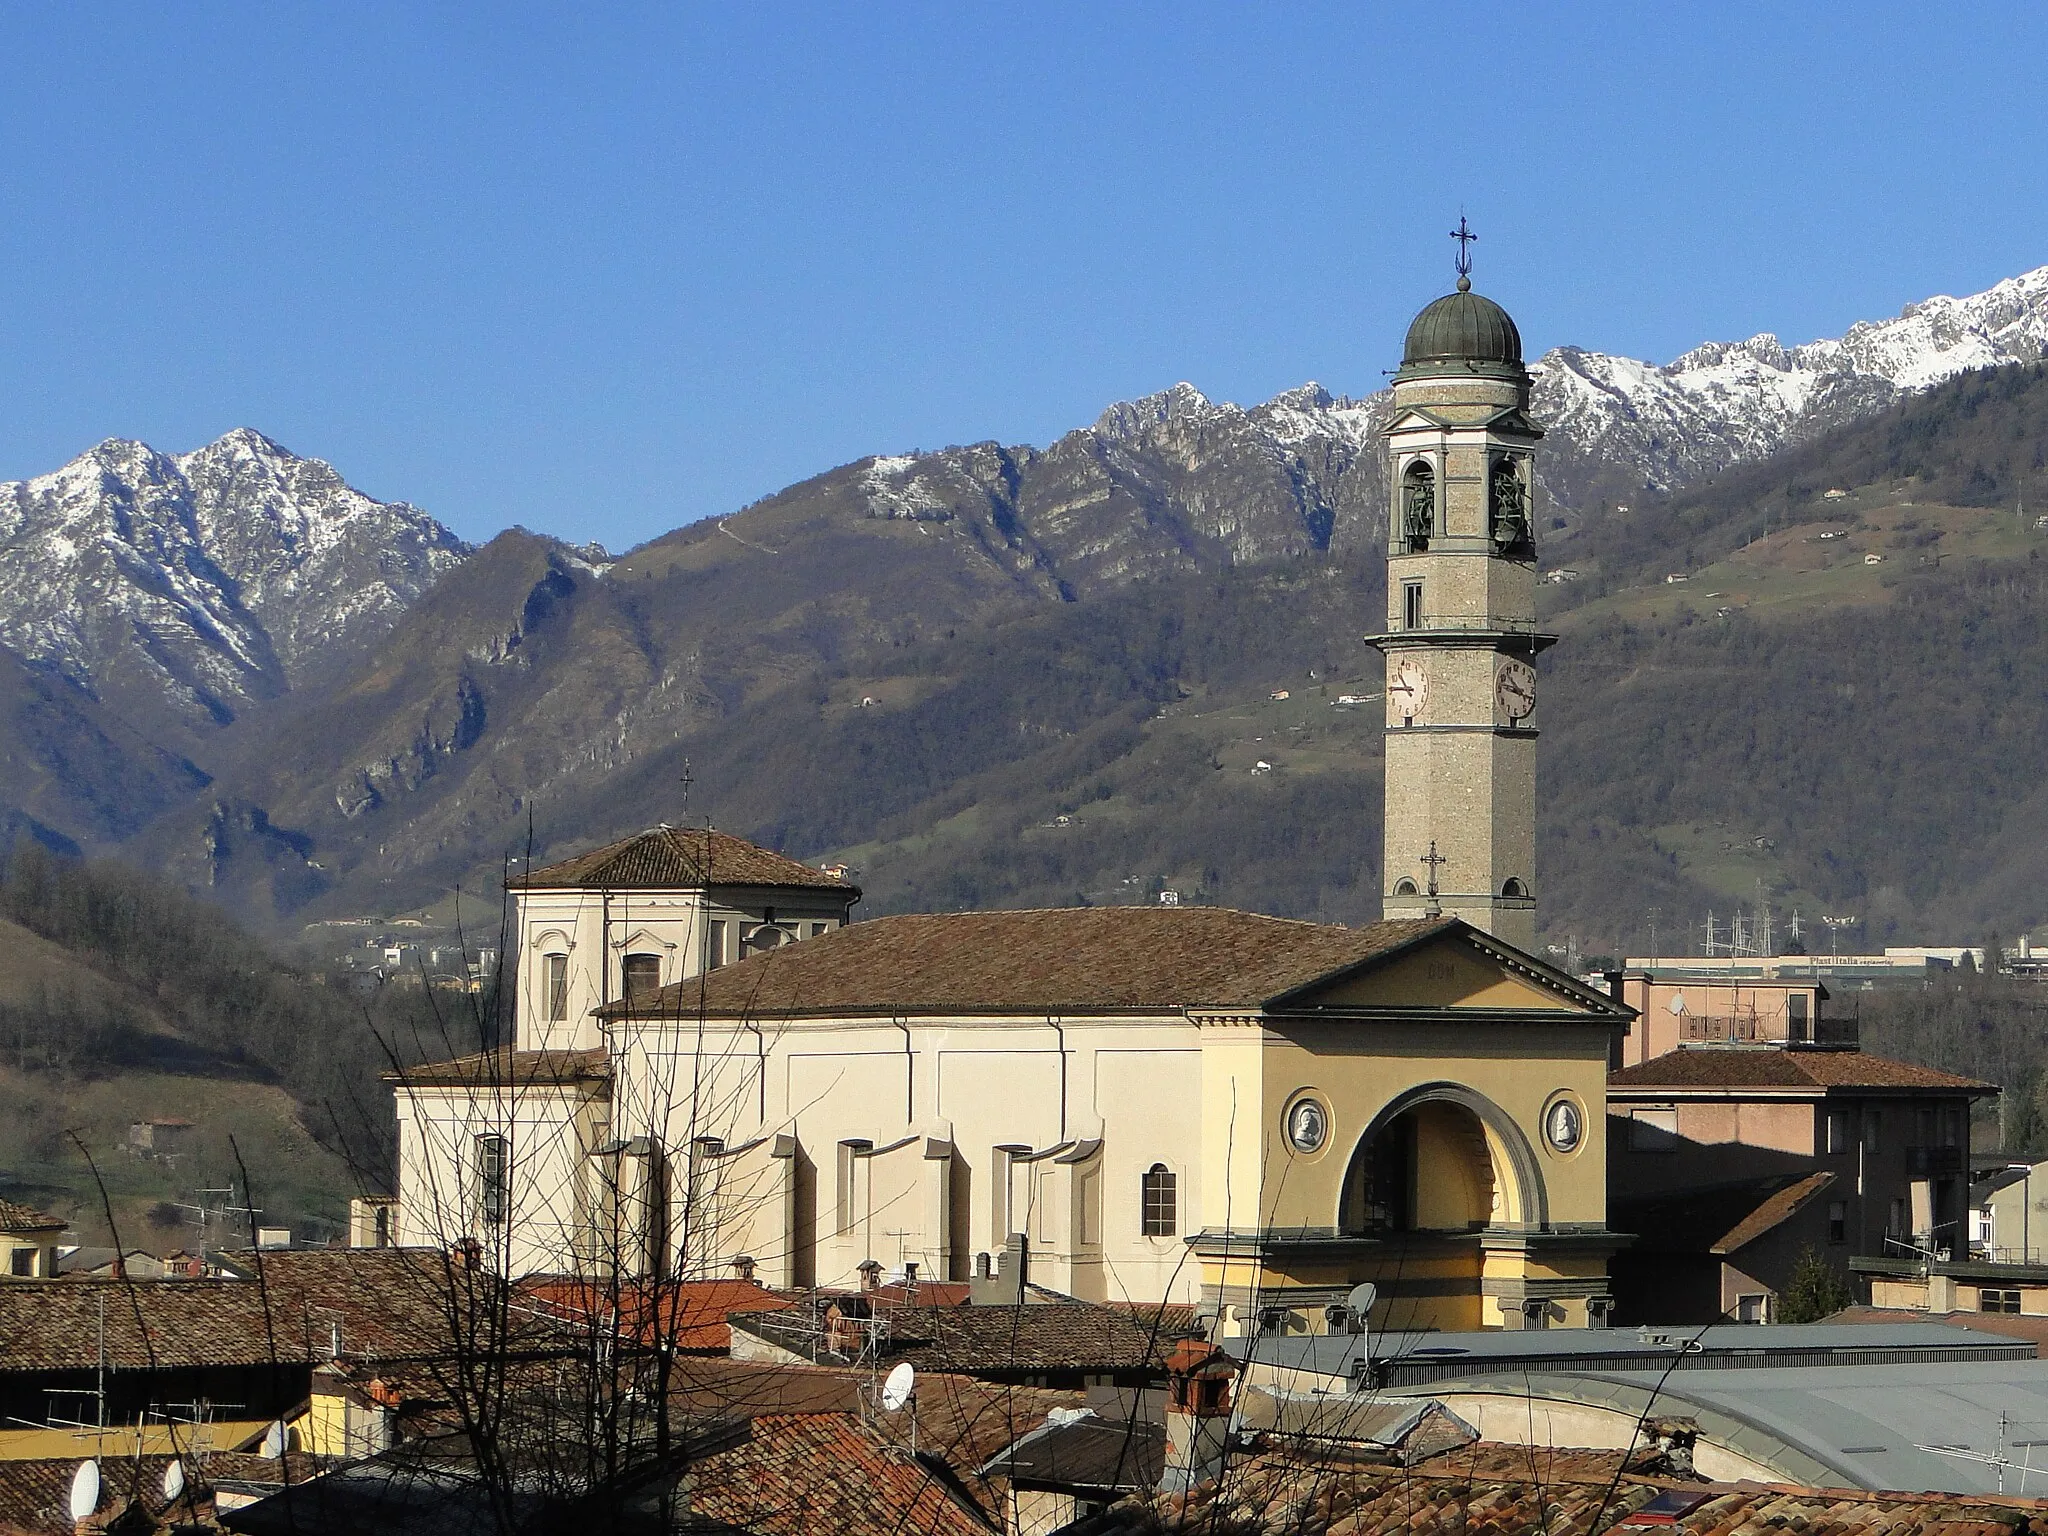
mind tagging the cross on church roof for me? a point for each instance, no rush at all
(1464, 236)
(1433, 859)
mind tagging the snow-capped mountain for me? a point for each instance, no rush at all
(1725, 402)
(208, 578)
(1168, 479)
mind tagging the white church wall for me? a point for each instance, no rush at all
(902, 1152)
(547, 1134)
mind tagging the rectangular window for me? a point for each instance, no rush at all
(22, 1262)
(1998, 1301)
(1838, 1221)
(1837, 1132)
(1873, 1129)
(642, 975)
(555, 986)
(1653, 1130)
(1952, 1127)
(491, 1170)
(1411, 605)
(849, 1184)
(818, 930)
(1754, 1308)
(1160, 1215)
(714, 950)
(1795, 1011)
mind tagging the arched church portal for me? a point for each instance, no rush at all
(1442, 1158)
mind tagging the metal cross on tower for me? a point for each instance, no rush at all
(1464, 236)
(1433, 859)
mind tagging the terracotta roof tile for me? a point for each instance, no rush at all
(687, 1315)
(35, 1495)
(1520, 1491)
(799, 1474)
(509, 1069)
(985, 1340)
(679, 858)
(962, 1421)
(26, 1218)
(1770, 1067)
(385, 1302)
(1074, 959)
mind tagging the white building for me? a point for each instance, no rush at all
(620, 921)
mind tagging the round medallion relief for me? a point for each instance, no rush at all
(1308, 1125)
(1564, 1125)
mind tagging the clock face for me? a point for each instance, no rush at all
(1514, 691)
(1407, 692)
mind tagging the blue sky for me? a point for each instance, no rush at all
(604, 270)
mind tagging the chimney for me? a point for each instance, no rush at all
(870, 1275)
(1006, 1287)
(743, 1267)
(1198, 1407)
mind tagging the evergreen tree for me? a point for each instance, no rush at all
(1816, 1290)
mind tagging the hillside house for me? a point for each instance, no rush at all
(28, 1242)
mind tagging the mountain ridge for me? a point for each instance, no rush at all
(304, 701)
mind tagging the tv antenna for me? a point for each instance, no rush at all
(1464, 236)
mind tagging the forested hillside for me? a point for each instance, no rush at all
(125, 1001)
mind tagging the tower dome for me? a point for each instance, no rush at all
(1462, 332)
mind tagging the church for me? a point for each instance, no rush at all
(717, 1071)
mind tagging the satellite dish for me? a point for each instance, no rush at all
(174, 1481)
(85, 1489)
(1677, 1004)
(897, 1389)
(274, 1439)
(1359, 1302)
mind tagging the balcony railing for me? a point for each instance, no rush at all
(1723, 1028)
(1752, 1028)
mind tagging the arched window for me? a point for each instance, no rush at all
(643, 977)
(1514, 890)
(1405, 887)
(555, 987)
(1418, 505)
(1160, 1200)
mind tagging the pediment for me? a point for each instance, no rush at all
(1457, 968)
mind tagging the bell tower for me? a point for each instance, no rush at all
(1461, 621)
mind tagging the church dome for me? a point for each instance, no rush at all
(1462, 328)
